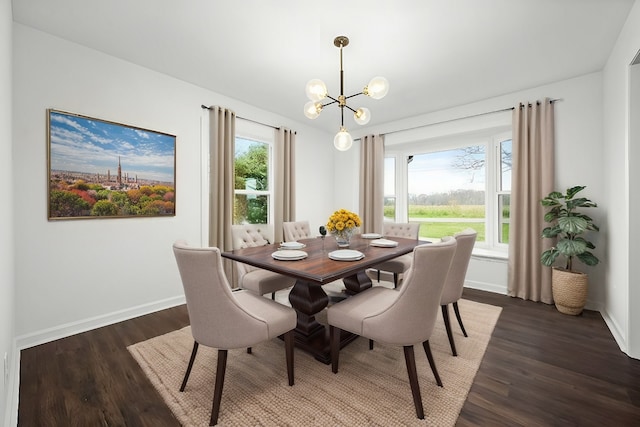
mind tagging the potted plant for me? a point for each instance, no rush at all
(568, 225)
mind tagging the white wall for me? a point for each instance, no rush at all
(78, 274)
(7, 283)
(579, 151)
(619, 159)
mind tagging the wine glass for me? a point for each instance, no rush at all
(323, 232)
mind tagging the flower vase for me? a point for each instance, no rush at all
(343, 238)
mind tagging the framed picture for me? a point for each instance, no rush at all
(101, 169)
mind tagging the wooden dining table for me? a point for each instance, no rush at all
(307, 296)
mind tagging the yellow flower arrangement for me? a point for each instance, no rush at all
(343, 221)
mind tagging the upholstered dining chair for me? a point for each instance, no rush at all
(404, 316)
(455, 281)
(257, 279)
(294, 230)
(224, 319)
(399, 264)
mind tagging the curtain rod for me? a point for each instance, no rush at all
(204, 107)
(466, 117)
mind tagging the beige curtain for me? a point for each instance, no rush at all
(284, 185)
(532, 179)
(222, 132)
(372, 183)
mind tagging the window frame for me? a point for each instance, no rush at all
(491, 138)
(253, 132)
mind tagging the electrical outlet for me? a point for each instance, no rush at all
(6, 368)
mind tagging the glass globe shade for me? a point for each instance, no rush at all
(362, 116)
(377, 88)
(316, 90)
(343, 140)
(312, 109)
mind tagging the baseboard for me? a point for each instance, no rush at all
(485, 286)
(72, 328)
(615, 331)
(13, 391)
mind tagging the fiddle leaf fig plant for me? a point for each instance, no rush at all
(568, 225)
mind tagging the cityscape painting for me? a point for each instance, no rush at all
(101, 169)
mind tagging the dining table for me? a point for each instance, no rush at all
(320, 261)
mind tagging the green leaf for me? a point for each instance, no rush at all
(580, 203)
(571, 247)
(574, 190)
(572, 224)
(549, 256)
(588, 258)
(551, 232)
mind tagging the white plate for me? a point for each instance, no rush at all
(292, 245)
(384, 243)
(289, 255)
(371, 236)
(346, 255)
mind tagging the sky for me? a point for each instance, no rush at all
(83, 144)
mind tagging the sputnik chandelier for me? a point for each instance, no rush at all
(317, 91)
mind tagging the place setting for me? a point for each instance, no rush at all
(346, 255)
(289, 255)
(384, 243)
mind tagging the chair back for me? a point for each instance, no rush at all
(407, 230)
(411, 317)
(248, 235)
(295, 230)
(217, 319)
(455, 279)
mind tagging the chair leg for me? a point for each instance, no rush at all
(457, 310)
(217, 392)
(447, 326)
(288, 348)
(432, 362)
(370, 344)
(334, 338)
(395, 280)
(193, 357)
(410, 358)
(273, 296)
(378, 276)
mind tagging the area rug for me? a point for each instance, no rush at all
(370, 389)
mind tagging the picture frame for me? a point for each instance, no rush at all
(101, 169)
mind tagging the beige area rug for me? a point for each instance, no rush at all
(370, 389)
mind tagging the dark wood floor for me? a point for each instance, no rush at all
(541, 368)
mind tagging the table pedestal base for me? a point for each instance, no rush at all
(309, 299)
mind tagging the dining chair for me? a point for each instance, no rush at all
(398, 265)
(294, 230)
(455, 281)
(257, 279)
(224, 319)
(403, 317)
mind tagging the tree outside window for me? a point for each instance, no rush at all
(252, 186)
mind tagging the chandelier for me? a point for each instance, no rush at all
(317, 91)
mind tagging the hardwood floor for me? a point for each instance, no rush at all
(541, 368)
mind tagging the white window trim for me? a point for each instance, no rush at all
(491, 137)
(260, 133)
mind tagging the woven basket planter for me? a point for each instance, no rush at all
(569, 291)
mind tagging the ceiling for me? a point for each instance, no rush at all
(435, 54)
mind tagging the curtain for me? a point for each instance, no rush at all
(532, 179)
(372, 183)
(284, 185)
(222, 132)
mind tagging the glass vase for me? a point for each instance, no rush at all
(343, 238)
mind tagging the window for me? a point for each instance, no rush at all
(252, 187)
(389, 189)
(451, 184)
